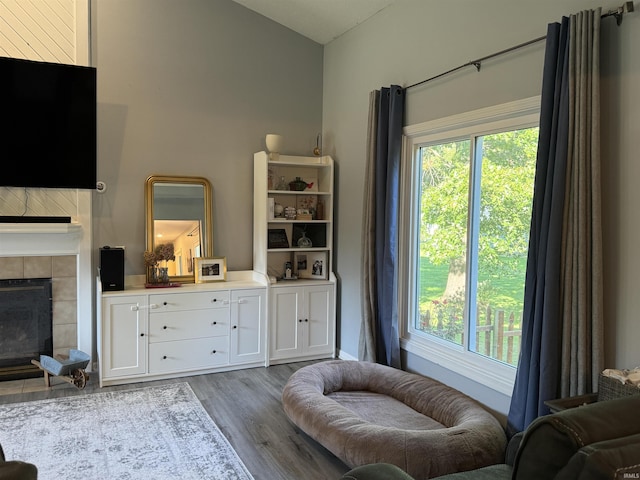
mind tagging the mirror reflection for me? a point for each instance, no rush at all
(178, 213)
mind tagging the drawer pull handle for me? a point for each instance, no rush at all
(142, 334)
(214, 351)
(214, 323)
(235, 326)
(164, 303)
(164, 328)
(164, 357)
(214, 300)
(306, 319)
(135, 308)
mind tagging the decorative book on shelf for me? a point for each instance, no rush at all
(277, 238)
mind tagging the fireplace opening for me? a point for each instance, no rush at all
(26, 326)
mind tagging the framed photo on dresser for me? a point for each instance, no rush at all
(210, 269)
(311, 265)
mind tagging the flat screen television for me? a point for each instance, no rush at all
(47, 124)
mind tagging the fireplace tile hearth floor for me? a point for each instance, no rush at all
(10, 387)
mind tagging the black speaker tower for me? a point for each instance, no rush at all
(112, 268)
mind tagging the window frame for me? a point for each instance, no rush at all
(508, 116)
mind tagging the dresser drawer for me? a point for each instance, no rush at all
(172, 302)
(191, 354)
(170, 326)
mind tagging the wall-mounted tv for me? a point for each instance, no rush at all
(47, 124)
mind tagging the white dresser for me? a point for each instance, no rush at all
(150, 334)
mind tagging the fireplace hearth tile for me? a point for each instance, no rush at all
(11, 267)
(11, 387)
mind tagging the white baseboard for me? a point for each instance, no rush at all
(342, 355)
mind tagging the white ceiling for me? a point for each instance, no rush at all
(319, 20)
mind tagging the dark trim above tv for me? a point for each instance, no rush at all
(47, 124)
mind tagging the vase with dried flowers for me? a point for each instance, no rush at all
(161, 253)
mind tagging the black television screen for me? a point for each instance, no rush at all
(47, 124)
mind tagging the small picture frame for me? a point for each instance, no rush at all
(306, 202)
(212, 269)
(311, 265)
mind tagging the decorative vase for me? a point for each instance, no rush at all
(274, 145)
(297, 185)
(153, 274)
(163, 275)
(282, 184)
(304, 241)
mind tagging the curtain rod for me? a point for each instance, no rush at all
(617, 13)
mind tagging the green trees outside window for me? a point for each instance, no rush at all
(474, 219)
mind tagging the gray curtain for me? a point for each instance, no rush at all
(379, 338)
(562, 329)
(367, 343)
(583, 329)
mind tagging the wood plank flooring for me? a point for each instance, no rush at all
(246, 405)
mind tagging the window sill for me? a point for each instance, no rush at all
(490, 373)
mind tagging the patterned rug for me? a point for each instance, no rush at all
(151, 433)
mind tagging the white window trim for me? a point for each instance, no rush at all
(518, 114)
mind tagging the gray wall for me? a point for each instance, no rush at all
(192, 87)
(415, 39)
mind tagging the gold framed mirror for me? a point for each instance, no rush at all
(179, 212)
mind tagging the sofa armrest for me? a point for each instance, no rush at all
(611, 459)
(551, 441)
(512, 448)
(16, 470)
(376, 471)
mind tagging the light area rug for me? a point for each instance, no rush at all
(151, 433)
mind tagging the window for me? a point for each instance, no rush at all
(469, 189)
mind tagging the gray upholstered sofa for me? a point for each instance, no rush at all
(599, 441)
(366, 413)
(16, 470)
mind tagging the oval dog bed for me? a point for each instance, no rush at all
(368, 413)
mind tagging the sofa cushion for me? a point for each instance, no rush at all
(551, 441)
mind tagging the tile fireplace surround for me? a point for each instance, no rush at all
(62, 252)
(63, 272)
